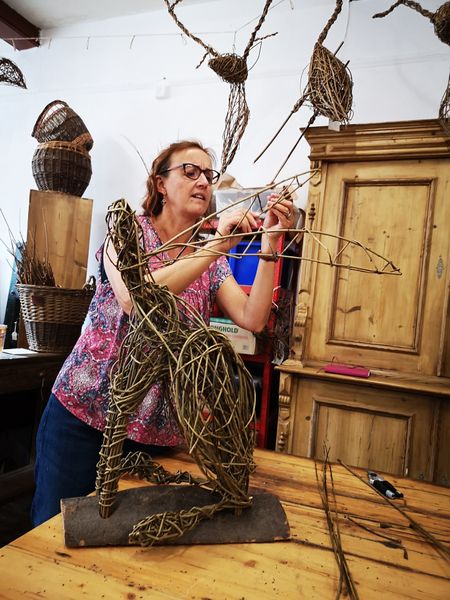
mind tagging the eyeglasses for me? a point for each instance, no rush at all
(194, 171)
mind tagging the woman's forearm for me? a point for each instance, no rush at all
(186, 269)
(251, 312)
(257, 308)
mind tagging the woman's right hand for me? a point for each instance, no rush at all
(235, 222)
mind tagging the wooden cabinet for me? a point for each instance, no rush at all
(386, 186)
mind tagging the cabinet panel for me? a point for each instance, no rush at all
(370, 438)
(393, 432)
(363, 305)
(374, 319)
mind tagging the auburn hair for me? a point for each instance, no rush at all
(152, 203)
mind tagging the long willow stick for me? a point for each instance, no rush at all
(377, 263)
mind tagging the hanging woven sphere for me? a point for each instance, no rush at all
(230, 67)
(441, 22)
(330, 85)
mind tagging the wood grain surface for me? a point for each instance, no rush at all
(38, 565)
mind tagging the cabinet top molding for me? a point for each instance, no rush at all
(374, 141)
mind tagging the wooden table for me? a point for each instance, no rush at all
(38, 565)
(20, 373)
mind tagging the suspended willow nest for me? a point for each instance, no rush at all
(11, 74)
(329, 85)
(444, 109)
(441, 22)
(232, 68)
(329, 88)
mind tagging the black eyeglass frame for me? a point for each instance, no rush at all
(211, 180)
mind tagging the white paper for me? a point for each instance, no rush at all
(19, 351)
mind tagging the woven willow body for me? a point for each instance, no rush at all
(211, 392)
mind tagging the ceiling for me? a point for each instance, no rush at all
(24, 18)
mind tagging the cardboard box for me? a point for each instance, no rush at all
(243, 341)
(228, 199)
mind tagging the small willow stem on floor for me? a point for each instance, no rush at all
(334, 531)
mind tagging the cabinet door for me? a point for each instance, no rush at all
(400, 210)
(391, 432)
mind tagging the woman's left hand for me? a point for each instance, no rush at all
(279, 215)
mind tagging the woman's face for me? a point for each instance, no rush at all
(186, 196)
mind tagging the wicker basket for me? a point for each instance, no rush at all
(62, 167)
(58, 122)
(53, 316)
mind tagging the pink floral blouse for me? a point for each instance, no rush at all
(82, 385)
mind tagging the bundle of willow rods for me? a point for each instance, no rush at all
(346, 585)
(32, 270)
(210, 391)
(444, 109)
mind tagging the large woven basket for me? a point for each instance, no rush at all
(58, 122)
(62, 167)
(53, 316)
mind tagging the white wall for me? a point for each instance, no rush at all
(400, 70)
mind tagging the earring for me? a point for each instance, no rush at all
(163, 201)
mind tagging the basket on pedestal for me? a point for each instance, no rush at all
(53, 316)
(62, 167)
(62, 162)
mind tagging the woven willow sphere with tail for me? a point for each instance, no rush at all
(440, 19)
(330, 86)
(233, 69)
(329, 90)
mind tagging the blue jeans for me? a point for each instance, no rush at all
(67, 452)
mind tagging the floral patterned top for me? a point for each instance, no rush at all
(82, 385)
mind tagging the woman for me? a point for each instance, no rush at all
(70, 433)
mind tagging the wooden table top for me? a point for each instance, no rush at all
(38, 565)
(20, 372)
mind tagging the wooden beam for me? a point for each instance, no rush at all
(13, 25)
